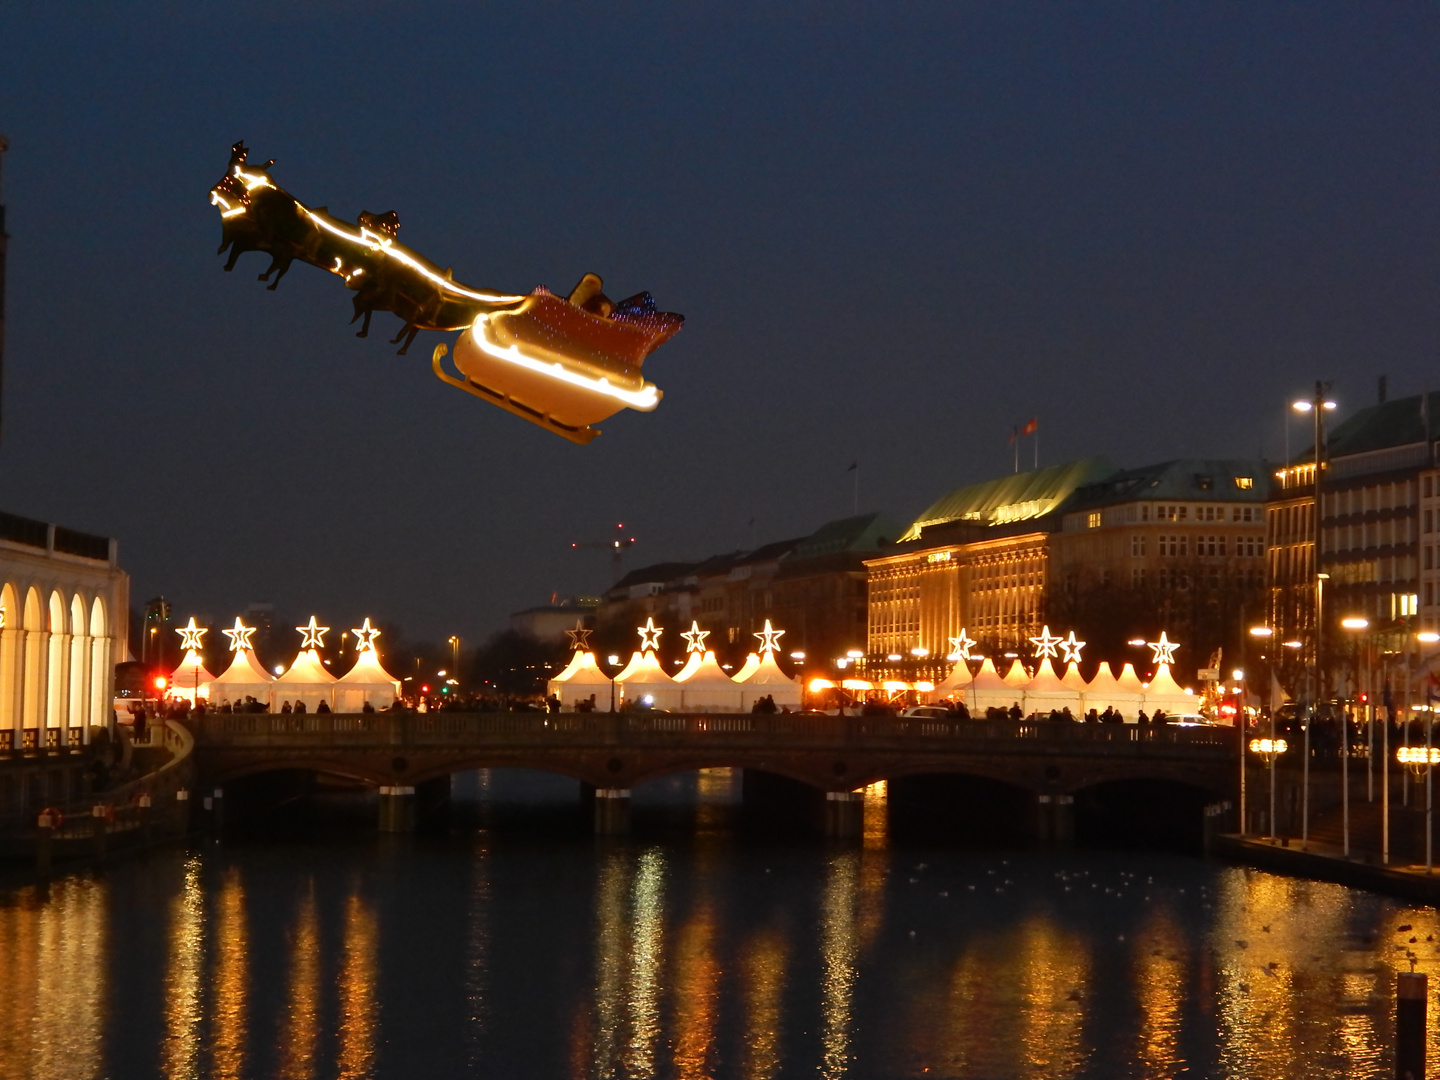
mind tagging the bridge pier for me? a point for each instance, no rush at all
(1055, 819)
(612, 811)
(397, 809)
(845, 814)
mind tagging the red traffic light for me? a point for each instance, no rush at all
(424, 689)
(161, 682)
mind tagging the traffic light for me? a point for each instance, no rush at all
(161, 682)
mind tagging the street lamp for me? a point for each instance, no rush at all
(1420, 759)
(1355, 624)
(1243, 723)
(1270, 749)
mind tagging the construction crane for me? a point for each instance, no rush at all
(617, 545)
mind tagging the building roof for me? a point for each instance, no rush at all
(863, 532)
(1400, 422)
(1187, 479)
(655, 574)
(1021, 497)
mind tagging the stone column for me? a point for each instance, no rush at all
(845, 814)
(612, 811)
(397, 809)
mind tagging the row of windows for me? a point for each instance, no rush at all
(1166, 578)
(1398, 495)
(1203, 512)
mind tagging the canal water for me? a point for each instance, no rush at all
(515, 945)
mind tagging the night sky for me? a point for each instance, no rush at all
(895, 230)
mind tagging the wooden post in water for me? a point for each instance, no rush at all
(1410, 999)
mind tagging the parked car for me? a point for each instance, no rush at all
(1189, 720)
(929, 712)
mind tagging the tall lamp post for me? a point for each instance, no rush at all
(1356, 624)
(1317, 406)
(1262, 633)
(1271, 749)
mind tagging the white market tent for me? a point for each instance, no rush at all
(704, 686)
(366, 681)
(765, 679)
(1073, 679)
(1017, 678)
(747, 669)
(956, 683)
(1046, 692)
(581, 680)
(1128, 694)
(243, 678)
(987, 690)
(305, 680)
(190, 678)
(644, 678)
(1165, 693)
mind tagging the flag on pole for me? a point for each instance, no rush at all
(1014, 434)
(1277, 693)
(1031, 427)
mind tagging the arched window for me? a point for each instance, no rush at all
(11, 653)
(79, 663)
(100, 673)
(58, 657)
(33, 693)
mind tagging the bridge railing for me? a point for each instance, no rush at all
(455, 728)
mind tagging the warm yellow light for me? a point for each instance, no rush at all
(1260, 631)
(1268, 746)
(313, 634)
(644, 399)
(769, 638)
(1046, 644)
(924, 687)
(240, 636)
(365, 637)
(1164, 649)
(1429, 637)
(960, 646)
(695, 638)
(893, 685)
(1072, 648)
(816, 685)
(1418, 755)
(857, 684)
(190, 635)
(649, 635)
(1355, 622)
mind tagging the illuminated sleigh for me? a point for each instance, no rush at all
(564, 363)
(560, 364)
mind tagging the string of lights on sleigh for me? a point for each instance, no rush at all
(564, 363)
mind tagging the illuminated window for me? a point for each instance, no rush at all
(1092, 520)
(1244, 483)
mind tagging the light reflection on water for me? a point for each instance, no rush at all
(711, 954)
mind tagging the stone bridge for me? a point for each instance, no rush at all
(612, 752)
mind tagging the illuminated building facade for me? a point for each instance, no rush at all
(1112, 554)
(64, 600)
(978, 559)
(1375, 538)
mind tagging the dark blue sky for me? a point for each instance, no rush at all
(895, 231)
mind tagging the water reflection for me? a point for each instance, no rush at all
(183, 981)
(358, 990)
(838, 949)
(54, 991)
(763, 968)
(713, 956)
(300, 1026)
(231, 976)
(647, 955)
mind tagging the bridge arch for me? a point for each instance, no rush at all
(1161, 812)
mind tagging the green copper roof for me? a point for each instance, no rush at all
(1394, 423)
(864, 532)
(1021, 497)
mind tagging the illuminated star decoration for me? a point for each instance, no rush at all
(1045, 644)
(1163, 649)
(364, 637)
(190, 635)
(696, 638)
(579, 637)
(769, 639)
(240, 636)
(314, 635)
(1072, 648)
(960, 646)
(649, 635)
